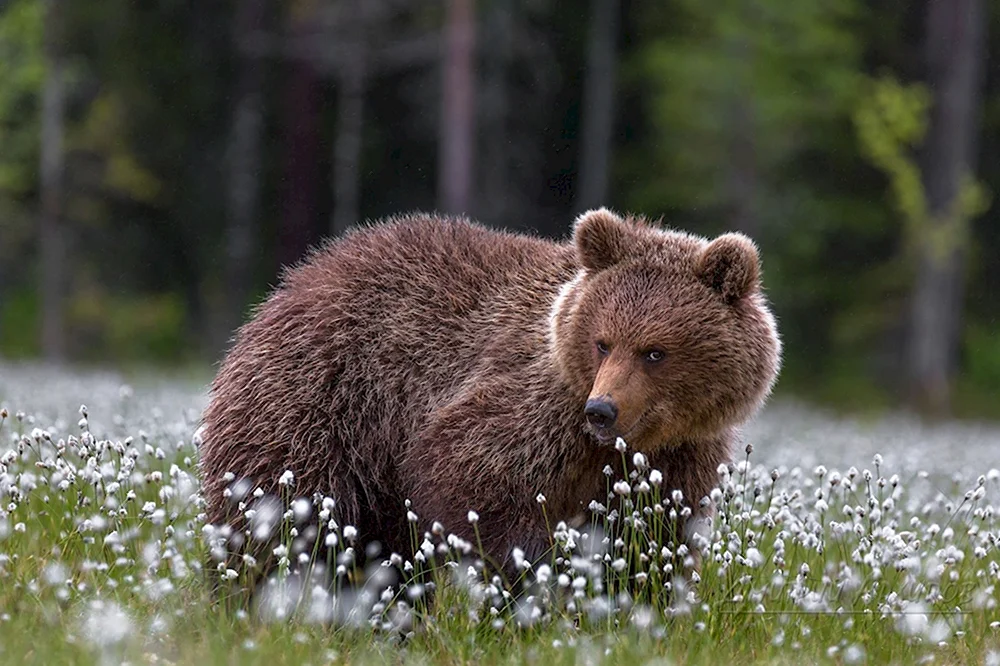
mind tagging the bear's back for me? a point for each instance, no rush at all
(430, 259)
(340, 365)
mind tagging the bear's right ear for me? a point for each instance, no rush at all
(602, 239)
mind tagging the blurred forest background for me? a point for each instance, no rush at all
(160, 161)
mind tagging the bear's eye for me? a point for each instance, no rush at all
(654, 356)
(602, 348)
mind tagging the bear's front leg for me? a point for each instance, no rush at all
(691, 468)
(470, 470)
(489, 520)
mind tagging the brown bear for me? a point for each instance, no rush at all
(432, 359)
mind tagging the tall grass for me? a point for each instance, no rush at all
(105, 558)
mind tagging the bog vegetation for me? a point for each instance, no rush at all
(882, 554)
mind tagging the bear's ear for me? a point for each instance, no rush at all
(731, 266)
(602, 239)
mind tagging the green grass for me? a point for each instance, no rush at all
(92, 573)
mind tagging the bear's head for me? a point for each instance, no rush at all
(664, 336)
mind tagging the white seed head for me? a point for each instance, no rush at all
(622, 488)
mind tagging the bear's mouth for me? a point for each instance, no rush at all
(608, 436)
(604, 437)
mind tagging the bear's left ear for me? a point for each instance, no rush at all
(602, 238)
(731, 266)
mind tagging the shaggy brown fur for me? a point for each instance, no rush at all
(436, 360)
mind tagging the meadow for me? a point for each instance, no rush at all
(836, 540)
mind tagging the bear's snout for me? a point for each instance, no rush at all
(601, 413)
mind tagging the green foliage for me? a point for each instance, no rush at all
(101, 134)
(891, 120)
(767, 115)
(116, 176)
(18, 328)
(750, 105)
(150, 327)
(745, 86)
(982, 356)
(22, 71)
(104, 326)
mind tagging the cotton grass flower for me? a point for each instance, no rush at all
(106, 624)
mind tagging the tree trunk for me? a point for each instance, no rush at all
(598, 105)
(52, 241)
(300, 180)
(457, 108)
(494, 198)
(743, 169)
(743, 180)
(244, 165)
(956, 32)
(350, 124)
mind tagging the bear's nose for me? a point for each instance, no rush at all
(600, 412)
